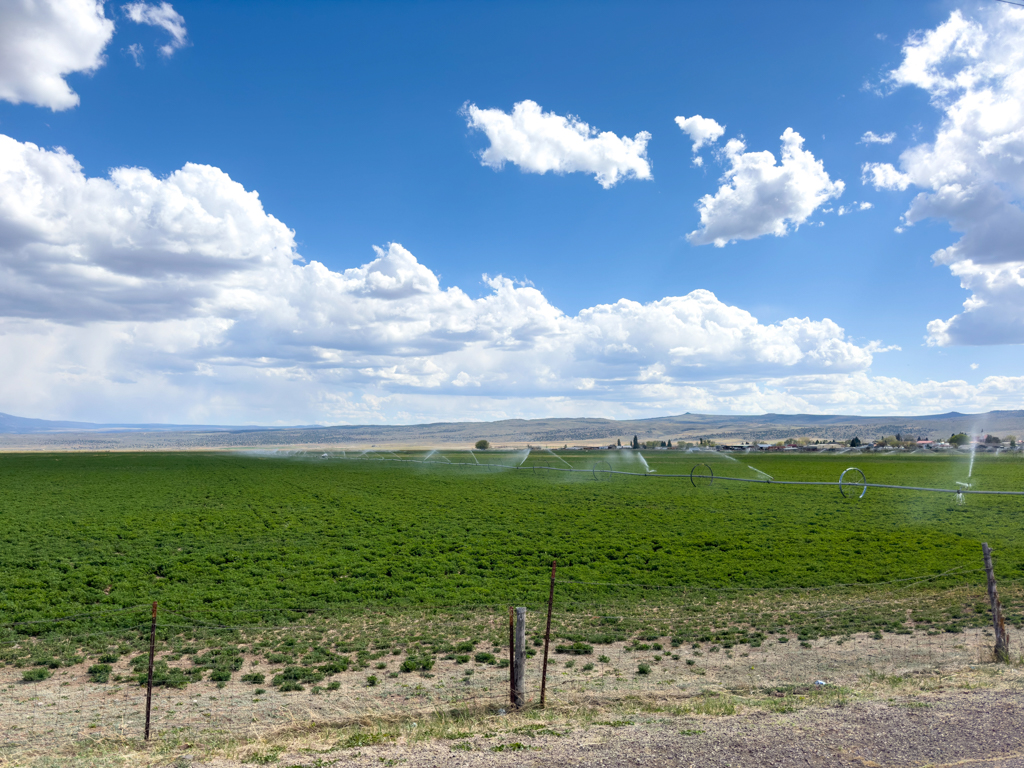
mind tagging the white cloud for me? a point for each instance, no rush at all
(759, 197)
(539, 142)
(972, 174)
(701, 130)
(137, 298)
(884, 176)
(853, 207)
(163, 16)
(42, 41)
(135, 50)
(870, 137)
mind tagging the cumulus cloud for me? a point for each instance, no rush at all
(701, 130)
(134, 297)
(163, 16)
(870, 137)
(43, 41)
(884, 176)
(539, 142)
(971, 173)
(760, 197)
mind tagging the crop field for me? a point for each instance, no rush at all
(265, 556)
(230, 534)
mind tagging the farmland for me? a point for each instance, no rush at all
(300, 573)
(246, 538)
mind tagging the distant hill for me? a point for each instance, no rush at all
(38, 434)
(17, 425)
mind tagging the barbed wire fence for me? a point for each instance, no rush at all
(608, 641)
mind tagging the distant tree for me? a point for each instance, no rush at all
(482, 445)
(636, 442)
(992, 440)
(959, 439)
(1013, 440)
(668, 443)
(855, 443)
(898, 438)
(618, 442)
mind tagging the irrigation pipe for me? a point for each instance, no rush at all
(758, 480)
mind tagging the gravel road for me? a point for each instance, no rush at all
(956, 728)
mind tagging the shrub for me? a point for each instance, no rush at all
(482, 445)
(465, 647)
(334, 667)
(423, 663)
(256, 678)
(109, 658)
(643, 669)
(290, 685)
(295, 675)
(99, 673)
(35, 675)
(484, 658)
(462, 658)
(371, 681)
(169, 677)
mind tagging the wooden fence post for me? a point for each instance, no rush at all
(1002, 641)
(149, 677)
(511, 660)
(519, 686)
(547, 636)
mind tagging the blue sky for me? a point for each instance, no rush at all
(513, 278)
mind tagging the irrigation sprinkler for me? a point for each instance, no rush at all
(845, 484)
(701, 475)
(594, 469)
(960, 499)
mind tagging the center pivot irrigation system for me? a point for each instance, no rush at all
(852, 482)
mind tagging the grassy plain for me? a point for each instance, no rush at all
(245, 539)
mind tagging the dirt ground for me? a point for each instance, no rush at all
(902, 701)
(982, 728)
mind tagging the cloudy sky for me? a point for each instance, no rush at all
(343, 212)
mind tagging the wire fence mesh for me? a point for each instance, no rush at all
(631, 640)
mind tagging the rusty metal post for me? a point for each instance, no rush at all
(149, 677)
(547, 636)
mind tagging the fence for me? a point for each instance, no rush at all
(633, 640)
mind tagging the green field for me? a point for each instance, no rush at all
(242, 538)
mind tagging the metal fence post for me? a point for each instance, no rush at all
(519, 686)
(547, 636)
(149, 676)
